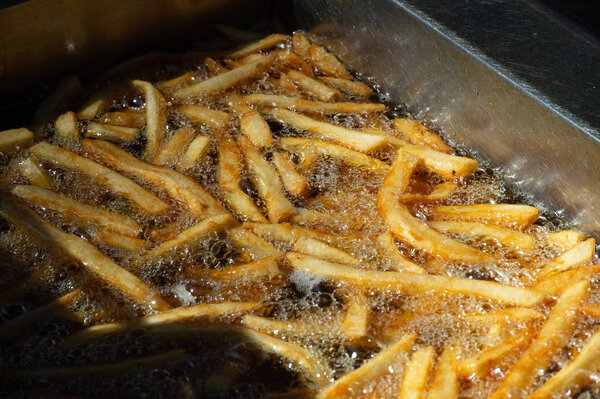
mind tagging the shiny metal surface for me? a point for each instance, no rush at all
(456, 69)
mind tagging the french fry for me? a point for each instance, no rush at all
(553, 336)
(407, 228)
(355, 322)
(414, 283)
(300, 44)
(370, 370)
(319, 249)
(294, 182)
(203, 115)
(90, 257)
(286, 86)
(113, 181)
(100, 101)
(506, 315)
(73, 209)
(254, 127)
(265, 267)
(181, 187)
(252, 57)
(509, 237)
(388, 248)
(445, 383)
(66, 125)
(315, 107)
(579, 254)
(269, 188)
(554, 284)
(416, 133)
(566, 238)
(262, 44)
(315, 368)
(195, 233)
(591, 309)
(180, 81)
(326, 63)
(292, 60)
(258, 247)
(214, 67)
(156, 116)
(222, 81)
(313, 216)
(119, 240)
(35, 175)
(416, 374)
(13, 139)
(173, 149)
(518, 215)
(195, 153)
(127, 118)
(117, 134)
(229, 177)
(350, 87)
(441, 192)
(312, 86)
(307, 147)
(285, 328)
(286, 232)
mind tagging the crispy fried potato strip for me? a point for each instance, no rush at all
(115, 239)
(518, 215)
(293, 181)
(66, 125)
(285, 328)
(252, 243)
(173, 149)
(350, 87)
(11, 140)
(262, 44)
(445, 383)
(117, 134)
(356, 319)
(195, 153)
(326, 62)
(416, 374)
(555, 283)
(399, 263)
(254, 127)
(311, 246)
(35, 175)
(317, 107)
(505, 236)
(566, 238)
(203, 115)
(156, 116)
(265, 267)
(577, 255)
(416, 133)
(313, 86)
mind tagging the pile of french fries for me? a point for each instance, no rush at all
(261, 122)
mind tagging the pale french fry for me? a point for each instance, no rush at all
(445, 383)
(67, 89)
(315, 368)
(316, 107)
(66, 125)
(553, 336)
(312, 216)
(181, 187)
(156, 116)
(507, 315)
(566, 238)
(222, 81)
(577, 255)
(294, 61)
(286, 232)
(414, 283)
(165, 233)
(252, 57)
(326, 63)
(355, 322)
(416, 133)
(195, 233)
(287, 87)
(554, 284)
(99, 101)
(73, 209)
(13, 139)
(195, 153)
(441, 192)
(214, 67)
(268, 185)
(102, 175)
(286, 328)
(183, 80)
(300, 44)
(294, 182)
(370, 370)
(505, 236)
(173, 149)
(35, 175)
(311, 246)
(254, 127)
(262, 44)
(307, 147)
(258, 247)
(127, 118)
(518, 215)
(119, 240)
(229, 177)
(202, 115)
(399, 263)
(416, 374)
(351, 87)
(407, 228)
(90, 257)
(117, 134)
(265, 267)
(313, 86)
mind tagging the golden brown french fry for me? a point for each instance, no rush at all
(414, 283)
(571, 258)
(313, 216)
(127, 118)
(258, 247)
(553, 284)
(370, 370)
(350, 87)
(66, 125)
(13, 139)
(407, 228)
(292, 60)
(286, 328)
(355, 322)
(204, 115)
(156, 116)
(441, 192)
(195, 153)
(268, 185)
(553, 336)
(222, 81)
(252, 57)
(312, 86)
(265, 267)
(591, 309)
(416, 133)
(307, 147)
(508, 315)
(416, 374)
(566, 238)
(311, 246)
(294, 182)
(253, 126)
(119, 240)
(214, 67)
(117, 134)
(90, 257)
(35, 175)
(286, 232)
(181, 187)
(102, 175)
(399, 263)
(519, 215)
(173, 149)
(195, 233)
(505, 236)
(229, 177)
(316, 107)
(73, 209)
(286, 86)
(445, 383)
(262, 44)
(326, 63)
(179, 81)
(300, 44)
